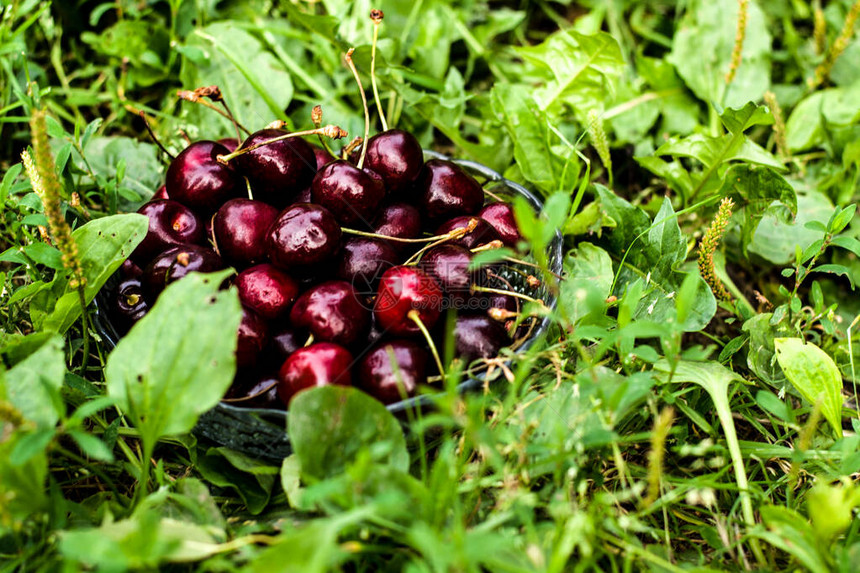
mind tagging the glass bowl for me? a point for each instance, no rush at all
(260, 432)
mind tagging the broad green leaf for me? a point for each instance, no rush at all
(790, 532)
(33, 385)
(250, 478)
(253, 81)
(103, 245)
(814, 374)
(329, 426)
(178, 361)
(702, 52)
(143, 165)
(755, 188)
(831, 508)
(575, 69)
(761, 356)
(534, 150)
(741, 119)
(588, 283)
(22, 486)
(820, 112)
(776, 235)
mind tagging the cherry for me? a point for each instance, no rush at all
(362, 261)
(240, 228)
(392, 371)
(261, 393)
(303, 234)
(332, 312)
(404, 289)
(397, 156)
(175, 263)
(501, 217)
(128, 304)
(231, 143)
(283, 342)
(252, 338)
(130, 270)
(278, 170)
(160, 194)
(479, 336)
(320, 364)
(323, 157)
(448, 191)
(197, 180)
(398, 220)
(449, 265)
(350, 193)
(267, 290)
(481, 235)
(170, 223)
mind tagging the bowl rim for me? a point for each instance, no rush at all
(104, 327)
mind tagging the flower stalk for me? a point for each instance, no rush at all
(708, 246)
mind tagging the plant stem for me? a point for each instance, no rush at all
(416, 318)
(85, 326)
(351, 65)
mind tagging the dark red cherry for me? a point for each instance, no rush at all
(304, 196)
(253, 336)
(198, 181)
(481, 235)
(231, 143)
(447, 191)
(348, 192)
(279, 170)
(501, 217)
(332, 312)
(240, 227)
(323, 157)
(398, 220)
(362, 261)
(319, 364)
(479, 336)
(262, 392)
(130, 270)
(282, 343)
(160, 194)
(392, 371)
(170, 223)
(267, 290)
(175, 263)
(128, 304)
(303, 234)
(402, 290)
(449, 265)
(500, 301)
(397, 156)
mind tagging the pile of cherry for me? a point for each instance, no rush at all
(345, 273)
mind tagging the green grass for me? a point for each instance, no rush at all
(654, 427)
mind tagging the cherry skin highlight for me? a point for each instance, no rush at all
(481, 235)
(402, 290)
(351, 194)
(277, 171)
(240, 227)
(501, 217)
(252, 336)
(363, 260)
(175, 263)
(479, 336)
(390, 380)
(303, 234)
(331, 312)
(196, 179)
(447, 191)
(397, 156)
(267, 290)
(319, 364)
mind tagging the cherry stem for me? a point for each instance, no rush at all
(316, 118)
(493, 196)
(449, 236)
(455, 234)
(351, 65)
(376, 16)
(252, 396)
(344, 154)
(533, 265)
(502, 314)
(415, 317)
(309, 341)
(197, 96)
(491, 246)
(154, 138)
(332, 131)
(476, 288)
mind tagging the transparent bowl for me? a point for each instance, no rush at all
(260, 432)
